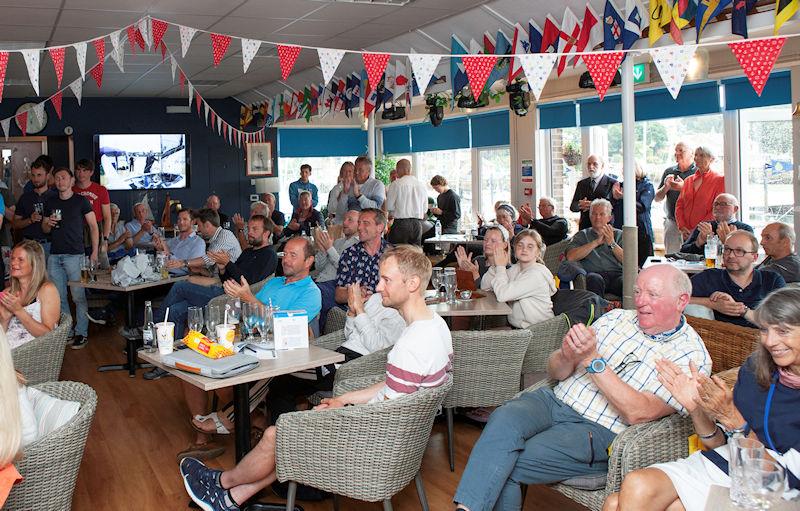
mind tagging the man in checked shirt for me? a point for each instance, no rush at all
(606, 381)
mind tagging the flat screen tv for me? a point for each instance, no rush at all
(143, 161)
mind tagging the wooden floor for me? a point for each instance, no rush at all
(140, 425)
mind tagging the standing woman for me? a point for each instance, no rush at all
(339, 194)
(448, 205)
(645, 192)
(696, 201)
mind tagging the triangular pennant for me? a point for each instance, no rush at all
(181, 78)
(602, 68)
(219, 45)
(159, 29)
(249, 50)
(100, 49)
(757, 58)
(139, 38)
(673, 63)
(97, 74)
(77, 89)
(287, 55)
(219, 125)
(191, 94)
(80, 56)
(375, 64)
(6, 124)
(163, 52)
(537, 67)
(32, 61)
(144, 30)
(174, 66)
(205, 112)
(38, 111)
(199, 100)
(423, 67)
(57, 56)
(187, 34)
(131, 30)
(329, 60)
(22, 122)
(56, 101)
(117, 52)
(3, 66)
(478, 68)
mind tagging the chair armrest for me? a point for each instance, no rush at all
(330, 341)
(368, 365)
(546, 337)
(352, 384)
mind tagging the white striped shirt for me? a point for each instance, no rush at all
(223, 240)
(633, 355)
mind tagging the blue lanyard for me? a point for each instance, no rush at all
(766, 413)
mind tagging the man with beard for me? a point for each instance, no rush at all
(186, 245)
(597, 186)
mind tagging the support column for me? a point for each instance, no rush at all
(371, 149)
(795, 79)
(629, 234)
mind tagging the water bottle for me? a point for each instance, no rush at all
(438, 228)
(149, 329)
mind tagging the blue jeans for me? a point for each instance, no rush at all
(62, 268)
(183, 295)
(532, 439)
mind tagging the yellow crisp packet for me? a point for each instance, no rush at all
(205, 346)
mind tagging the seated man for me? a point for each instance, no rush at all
(186, 245)
(278, 218)
(141, 229)
(552, 227)
(304, 218)
(733, 292)
(239, 224)
(421, 358)
(359, 263)
(219, 240)
(327, 261)
(598, 250)
(725, 208)
(607, 381)
(778, 240)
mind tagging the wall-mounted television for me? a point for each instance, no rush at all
(143, 161)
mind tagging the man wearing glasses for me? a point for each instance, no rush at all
(732, 293)
(725, 208)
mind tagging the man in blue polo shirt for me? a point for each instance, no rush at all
(732, 293)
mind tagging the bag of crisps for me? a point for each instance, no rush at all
(205, 346)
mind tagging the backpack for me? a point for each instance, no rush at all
(580, 305)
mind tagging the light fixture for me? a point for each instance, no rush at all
(698, 67)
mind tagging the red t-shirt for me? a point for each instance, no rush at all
(97, 195)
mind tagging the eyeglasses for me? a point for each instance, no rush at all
(628, 362)
(738, 252)
(724, 204)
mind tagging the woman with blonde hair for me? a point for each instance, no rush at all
(30, 306)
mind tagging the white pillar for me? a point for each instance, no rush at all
(371, 138)
(630, 265)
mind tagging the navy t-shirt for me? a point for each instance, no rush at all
(68, 237)
(705, 283)
(26, 205)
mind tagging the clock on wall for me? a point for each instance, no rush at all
(34, 126)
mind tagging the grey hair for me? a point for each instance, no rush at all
(259, 204)
(305, 192)
(747, 234)
(113, 207)
(549, 200)
(598, 203)
(781, 307)
(705, 151)
(729, 196)
(786, 231)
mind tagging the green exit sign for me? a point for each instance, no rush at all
(639, 73)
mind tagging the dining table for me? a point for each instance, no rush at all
(480, 305)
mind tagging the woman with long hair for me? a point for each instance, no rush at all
(10, 421)
(30, 305)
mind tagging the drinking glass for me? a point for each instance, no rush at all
(249, 320)
(741, 447)
(86, 263)
(195, 319)
(450, 287)
(213, 316)
(763, 481)
(436, 279)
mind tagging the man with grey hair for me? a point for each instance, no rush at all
(551, 227)
(598, 250)
(778, 240)
(407, 204)
(724, 210)
(275, 214)
(670, 188)
(213, 202)
(368, 192)
(597, 186)
(733, 292)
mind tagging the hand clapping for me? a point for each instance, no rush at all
(465, 260)
(235, 289)
(683, 387)
(580, 344)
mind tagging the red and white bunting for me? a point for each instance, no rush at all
(117, 52)
(329, 60)
(131, 30)
(57, 56)
(423, 67)
(164, 53)
(602, 68)
(97, 71)
(3, 66)
(478, 68)
(181, 79)
(38, 112)
(537, 68)
(205, 112)
(375, 64)
(6, 124)
(569, 34)
(77, 89)
(249, 50)
(219, 45)
(97, 74)
(757, 58)
(174, 66)
(80, 56)
(22, 122)
(287, 55)
(187, 34)
(145, 33)
(191, 94)
(219, 125)
(199, 100)
(56, 101)
(32, 62)
(673, 63)
(159, 29)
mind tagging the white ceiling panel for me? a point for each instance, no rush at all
(112, 20)
(211, 7)
(289, 9)
(18, 33)
(254, 28)
(346, 11)
(51, 4)
(29, 16)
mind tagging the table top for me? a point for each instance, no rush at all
(288, 361)
(104, 283)
(684, 266)
(719, 500)
(461, 239)
(486, 306)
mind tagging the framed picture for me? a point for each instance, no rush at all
(259, 159)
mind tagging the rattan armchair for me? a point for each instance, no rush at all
(50, 464)
(373, 364)
(554, 254)
(729, 345)
(254, 288)
(367, 452)
(40, 359)
(546, 337)
(335, 320)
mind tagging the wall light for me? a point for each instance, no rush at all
(698, 67)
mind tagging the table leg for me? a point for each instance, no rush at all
(130, 365)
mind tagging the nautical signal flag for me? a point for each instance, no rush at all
(683, 12)
(784, 10)
(706, 11)
(550, 36)
(660, 19)
(570, 31)
(612, 26)
(634, 23)
(739, 16)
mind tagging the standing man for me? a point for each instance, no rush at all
(326, 261)
(778, 239)
(407, 203)
(597, 186)
(670, 187)
(303, 184)
(30, 206)
(97, 195)
(214, 203)
(359, 263)
(368, 192)
(63, 220)
(186, 245)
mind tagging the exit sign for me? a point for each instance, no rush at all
(640, 73)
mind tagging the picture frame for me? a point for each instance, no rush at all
(258, 160)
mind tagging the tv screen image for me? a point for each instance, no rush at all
(134, 162)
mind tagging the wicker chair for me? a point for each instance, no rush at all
(729, 345)
(50, 464)
(40, 359)
(554, 254)
(335, 320)
(546, 337)
(367, 452)
(254, 288)
(372, 365)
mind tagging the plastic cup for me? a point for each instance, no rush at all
(165, 335)
(226, 332)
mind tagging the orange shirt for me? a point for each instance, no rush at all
(8, 478)
(695, 206)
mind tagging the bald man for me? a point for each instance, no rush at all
(407, 204)
(726, 206)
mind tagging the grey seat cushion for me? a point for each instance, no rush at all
(587, 482)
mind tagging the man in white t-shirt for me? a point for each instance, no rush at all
(421, 358)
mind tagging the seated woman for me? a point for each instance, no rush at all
(769, 379)
(117, 237)
(304, 218)
(494, 237)
(30, 306)
(527, 285)
(506, 215)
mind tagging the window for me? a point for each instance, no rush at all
(324, 172)
(567, 169)
(455, 165)
(494, 177)
(766, 166)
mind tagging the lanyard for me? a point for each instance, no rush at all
(766, 413)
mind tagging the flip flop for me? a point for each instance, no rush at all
(220, 427)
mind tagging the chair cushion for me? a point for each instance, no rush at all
(587, 482)
(51, 413)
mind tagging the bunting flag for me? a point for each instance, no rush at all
(80, 56)
(97, 74)
(458, 76)
(6, 124)
(519, 46)
(205, 112)
(191, 94)
(131, 30)
(144, 30)
(706, 11)
(287, 54)
(569, 33)
(591, 32)
(38, 112)
(550, 36)
(100, 50)
(673, 63)
(57, 56)
(329, 60)
(784, 10)
(634, 23)
(77, 89)
(117, 52)
(3, 66)
(757, 58)
(375, 64)
(174, 66)
(423, 67)
(612, 26)
(478, 68)
(537, 68)
(32, 61)
(534, 37)
(159, 29)
(181, 78)
(249, 49)
(22, 122)
(219, 45)
(739, 16)
(660, 19)
(401, 89)
(602, 68)
(163, 52)
(56, 101)
(139, 38)
(187, 34)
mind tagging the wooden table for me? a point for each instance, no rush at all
(719, 500)
(476, 308)
(446, 240)
(689, 267)
(104, 283)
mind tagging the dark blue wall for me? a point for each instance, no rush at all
(215, 166)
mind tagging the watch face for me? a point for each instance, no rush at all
(598, 365)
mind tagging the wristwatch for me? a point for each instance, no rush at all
(613, 245)
(597, 365)
(746, 310)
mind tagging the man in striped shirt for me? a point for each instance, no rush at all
(607, 381)
(421, 358)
